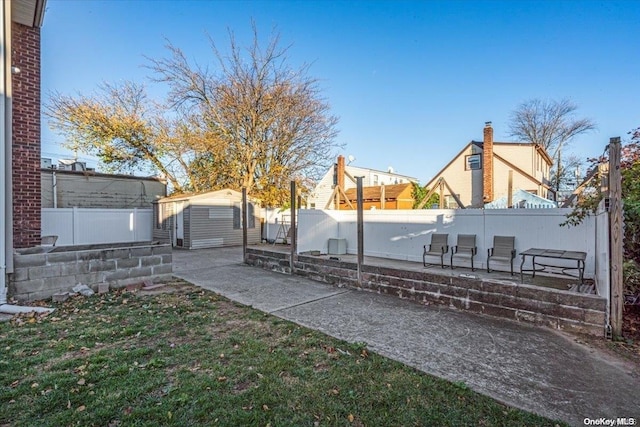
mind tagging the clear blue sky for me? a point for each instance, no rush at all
(412, 82)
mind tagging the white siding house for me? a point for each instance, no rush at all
(321, 195)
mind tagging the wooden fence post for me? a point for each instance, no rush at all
(293, 234)
(360, 226)
(244, 224)
(616, 233)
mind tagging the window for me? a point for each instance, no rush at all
(237, 215)
(473, 162)
(450, 202)
(375, 179)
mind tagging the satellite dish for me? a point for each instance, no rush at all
(351, 158)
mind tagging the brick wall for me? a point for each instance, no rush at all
(26, 136)
(548, 307)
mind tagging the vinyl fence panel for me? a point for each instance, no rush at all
(80, 226)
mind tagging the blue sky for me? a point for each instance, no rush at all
(412, 82)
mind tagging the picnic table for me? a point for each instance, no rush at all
(534, 253)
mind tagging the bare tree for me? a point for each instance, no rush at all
(550, 124)
(268, 122)
(253, 122)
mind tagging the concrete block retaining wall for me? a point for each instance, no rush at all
(542, 306)
(41, 272)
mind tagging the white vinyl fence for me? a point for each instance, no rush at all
(401, 234)
(81, 226)
(276, 224)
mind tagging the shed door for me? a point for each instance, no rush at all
(179, 223)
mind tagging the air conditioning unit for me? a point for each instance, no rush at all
(337, 247)
(45, 163)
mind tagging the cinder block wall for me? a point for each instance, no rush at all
(549, 307)
(40, 275)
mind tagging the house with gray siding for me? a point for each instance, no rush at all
(205, 220)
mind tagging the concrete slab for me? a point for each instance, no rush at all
(532, 368)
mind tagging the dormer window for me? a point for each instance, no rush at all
(473, 162)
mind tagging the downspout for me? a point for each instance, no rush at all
(6, 244)
(5, 148)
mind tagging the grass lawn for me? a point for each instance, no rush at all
(192, 358)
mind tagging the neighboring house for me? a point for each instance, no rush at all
(321, 198)
(90, 189)
(394, 196)
(481, 172)
(205, 220)
(20, 215)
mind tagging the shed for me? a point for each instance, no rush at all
(205, 220)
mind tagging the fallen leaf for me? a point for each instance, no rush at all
(68, 404)
(350, 418)
(34, 385)
(222, 379)
(81, 381)
(81, 408)
(15, 383)
(265, 408)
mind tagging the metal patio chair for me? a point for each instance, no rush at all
(466, 247)
(503, 250)
(439, 247)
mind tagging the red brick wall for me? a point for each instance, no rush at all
(487, 163)
(26, 136)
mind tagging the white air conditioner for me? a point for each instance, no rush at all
(337, 247)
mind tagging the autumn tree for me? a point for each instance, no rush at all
(123, 128)
(589, 200)
(249, 120)
(553, 126)
(269, 121)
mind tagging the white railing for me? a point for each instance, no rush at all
(80, 226)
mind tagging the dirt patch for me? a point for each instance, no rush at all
(624, 351)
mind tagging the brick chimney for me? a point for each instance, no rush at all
(341, 172)
(487, 163)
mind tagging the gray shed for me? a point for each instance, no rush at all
(205, 220)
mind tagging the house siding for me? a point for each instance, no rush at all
(218, 231)
(162, 227)
(324, 188)
(208, 220)
(468, 184)
(465, 183)
(186, 242)
(25, 159)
